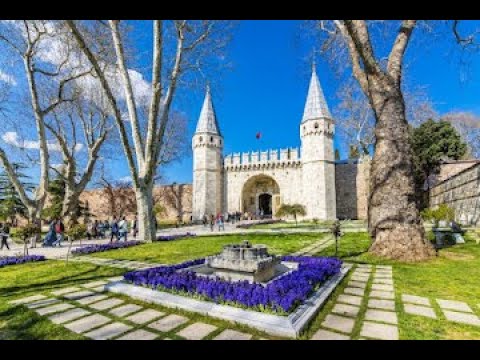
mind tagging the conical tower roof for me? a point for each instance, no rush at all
(207, 122)
(316, 106)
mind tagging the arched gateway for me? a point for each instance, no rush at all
(251, 181)
(260, 195)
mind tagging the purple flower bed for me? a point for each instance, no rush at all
(262, 222)
(281, 295)
(175, 237)
(15, 260)
(105, 247)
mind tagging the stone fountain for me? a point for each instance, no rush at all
(243, 262)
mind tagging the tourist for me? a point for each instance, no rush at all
(105, 228)
(212, 222)
(90, 230)
(51, 236)
(135, 227)
(4, 231)
(114, 229)
(60, 232)
(205, 220)
(220, 222)
(123, 229)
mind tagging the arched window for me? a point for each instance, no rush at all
(201, 138)
(211, 139)
(316, 125)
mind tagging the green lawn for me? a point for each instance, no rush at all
(170, 252)
(309, 225)
(453, 275)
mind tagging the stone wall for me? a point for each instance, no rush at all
(462, 193)
(352, 180)
(176, 200)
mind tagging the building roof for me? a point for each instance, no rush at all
(316, 106)
(207, 122)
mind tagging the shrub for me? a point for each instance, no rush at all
(441, 213)
(77, 231)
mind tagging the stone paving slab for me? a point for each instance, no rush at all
(108, 331)
(78, 295)
(53, 309)
(94, 284)
(168, 323)
(357, 284)
(197, 331)
(28, 299)
(388, 295)
(379, 331)
(233, 335)
(139, 335)
(346, 310)
(418, 300)
(42, 303)
(419, 310)
(463, 318)
(87, 323)
(339, 323)
(382, 287)
(91, 299)
(67, 316)
(454, 305)
(98, 289)
(65, 291)
(107, 304)
(359, 278)
(381, 304)
(116, 278)
(383, 281)
(383, 276)
(389, 317)
(125, 310)
(384, 267)
(328, 335)
(350, 299)
(145, 316)
(354, 291)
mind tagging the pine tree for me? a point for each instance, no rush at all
(10, 203)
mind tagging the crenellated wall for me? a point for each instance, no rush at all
(269, 158)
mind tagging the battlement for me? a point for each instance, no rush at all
(274, 157)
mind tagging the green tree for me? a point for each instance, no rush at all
(56, 190)
(432, 142)
(10, 203)
(353, 153)
(291, 210)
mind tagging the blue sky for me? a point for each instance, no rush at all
(266, 89)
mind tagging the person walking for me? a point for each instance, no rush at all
(123, 229)
(220, 222)
(4, 232)
(60, 232)
(114, 229)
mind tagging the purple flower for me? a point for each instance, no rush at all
(175, 237)
(14, 260)
(281, 295)
(105, 247)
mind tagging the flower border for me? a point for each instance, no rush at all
(280, 296)
(16, 260)
(90, 249)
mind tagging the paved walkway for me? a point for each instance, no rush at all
(88, 311)
(367, 309)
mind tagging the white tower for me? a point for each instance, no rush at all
(318, 166)
(207, 147)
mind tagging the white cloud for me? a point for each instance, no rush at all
(9, 79)
(125, 179)
(12, 138)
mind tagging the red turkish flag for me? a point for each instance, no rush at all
(259, 135)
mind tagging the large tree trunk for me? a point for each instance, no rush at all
(70, 205)
(146, 224)
(394, 221)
